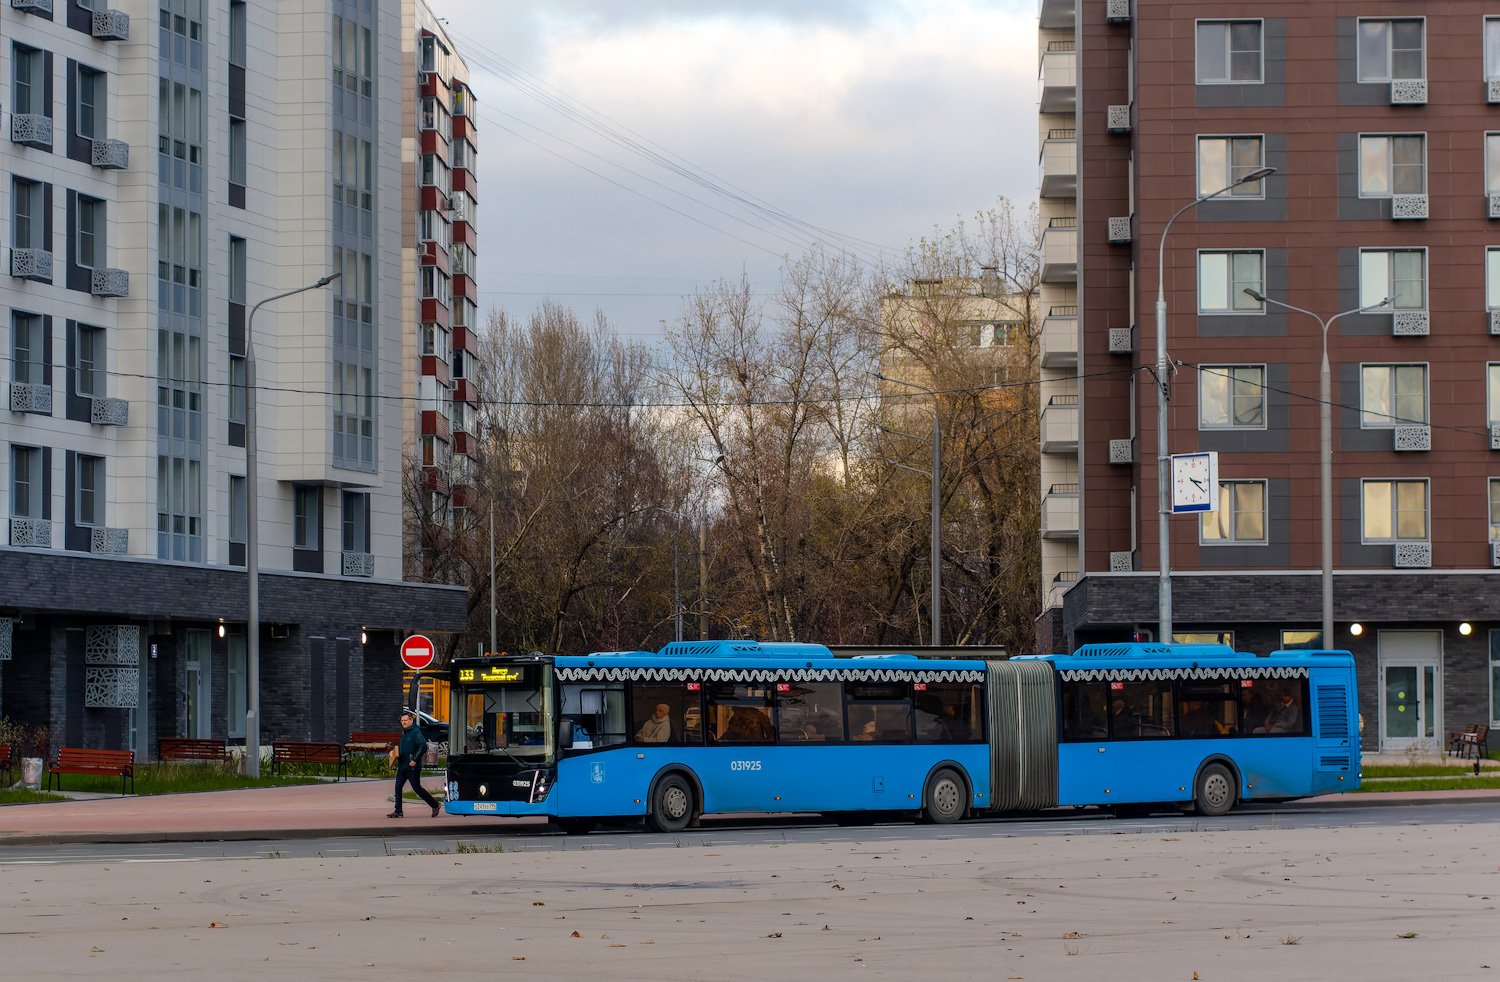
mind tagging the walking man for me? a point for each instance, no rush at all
(409, 764)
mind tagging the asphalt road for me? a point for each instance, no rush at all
(719, 833)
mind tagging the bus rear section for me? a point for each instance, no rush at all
(1158, 725)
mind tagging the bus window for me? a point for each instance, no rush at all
(667, 714)
(1274, 706)
(1206, 709)
(1085, 714)
(878, 712)
(597, 710)
(810, 712)
(948, 712)
(738, 714)
(1140, 710)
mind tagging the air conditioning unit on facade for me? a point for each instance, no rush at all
(1409, 323)
(1412, 437)
(1122, 451)
(1119, 341)
(1409, 92)
(1119, 230)
(1117, 119)
(1407, 207)
(111, 25)
(1122, 562)
(31, 264)
(1412, 555)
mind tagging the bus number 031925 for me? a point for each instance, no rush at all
(744, 765)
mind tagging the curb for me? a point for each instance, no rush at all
(530, 826)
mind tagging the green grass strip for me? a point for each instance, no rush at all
(1417, 770)
(21, 796)
(1430, 784)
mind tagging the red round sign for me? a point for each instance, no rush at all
(418, 652)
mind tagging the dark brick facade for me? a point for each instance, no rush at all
(318, 681)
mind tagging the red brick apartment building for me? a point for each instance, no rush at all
(1382, 120)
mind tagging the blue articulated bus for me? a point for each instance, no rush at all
(746, 727)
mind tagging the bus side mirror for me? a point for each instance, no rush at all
(565, 734)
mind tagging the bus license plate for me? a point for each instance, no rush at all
(485, 806)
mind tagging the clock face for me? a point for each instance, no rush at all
(1195, 479)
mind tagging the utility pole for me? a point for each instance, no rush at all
(703, 580)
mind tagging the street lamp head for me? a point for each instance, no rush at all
(1256, 175)
(326, 280)
(1255, 295)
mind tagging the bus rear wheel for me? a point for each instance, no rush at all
(671, 805)
(945, 798)
(1214, 794)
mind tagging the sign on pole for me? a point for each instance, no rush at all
(418, 652)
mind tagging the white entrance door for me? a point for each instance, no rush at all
(1411, 689)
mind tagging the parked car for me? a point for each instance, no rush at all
(435, 730)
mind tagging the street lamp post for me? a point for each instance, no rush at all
(676, 587)
(1325, 422)
(1163, 460)
(937, 509)
(252, 553)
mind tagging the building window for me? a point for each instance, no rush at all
(1492, 47)
(1397, 275)
(435, 173)
(1229, 51)
(90, 491)
(1492, 392)
(1494, 674)
(89, 234)
(26, 482)
(29, 91)
(1301, 639)
(463, 154)
(1492, 278)
(238, 512)
(1392, 395)
(1222, 160)
(236, 389)
(88, 111)
(1204, 637)
(1391, 49)
(1495, 509)
(1231, 396)
(237, 152)
(89, 381)
(28, 348)
(1392, 165)
(356, 522)
(27, 215)
(307, 517)
(1240, 517)
(235, 682)
(1223, 278)
(1395, 511)
(436, 285)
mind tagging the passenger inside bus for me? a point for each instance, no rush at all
(1284, 717)
(657, 729)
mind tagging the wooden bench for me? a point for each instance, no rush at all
(6, 765)
(309, 752)
(1456, 737)
(187, 748)
(373, 742)
(73, 760)
(1474, 742)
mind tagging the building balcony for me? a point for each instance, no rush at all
(109, 412)
(1060, 512)
(110, 283)
(31, 130)
(1060, 584)
(463, 126)
(466, 442)
(109, 542)
(111, 25)
(436, 479)
(32, 533)
(1059, 164)
(110, 154)
(464, 390)
(430, 198)
(31, 397)
(435, 367)
(1059, 348)
(433, 254)
(434, 312)
(431, 141)
(464, 496)
(435, 424)
(357, 564)
(465, 339)
(462, 233)
(1060, 425)
(464, 180)
(1056, 15)
(1060, 251)
(1059, 78)
(42, 7)
(463, 286)
(31, 264)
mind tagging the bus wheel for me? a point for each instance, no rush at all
(575, 826)
(672, 805)
(1214, 795)
(945, 798)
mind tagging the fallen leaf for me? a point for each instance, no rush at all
(96, 949)
(776, 935)
(576, 935)
(617, 946)
(1071, 935)
(217, 924)
(1408, 934)
(537, 903)
(518, 958)
(1195, 975)
(604, 937)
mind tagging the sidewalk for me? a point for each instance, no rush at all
(359, 807)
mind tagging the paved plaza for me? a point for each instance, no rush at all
(1155, 900)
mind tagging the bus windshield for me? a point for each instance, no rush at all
(504, 709)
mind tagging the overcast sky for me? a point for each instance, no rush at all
(633, 151)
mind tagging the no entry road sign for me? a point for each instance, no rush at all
(417, 652)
